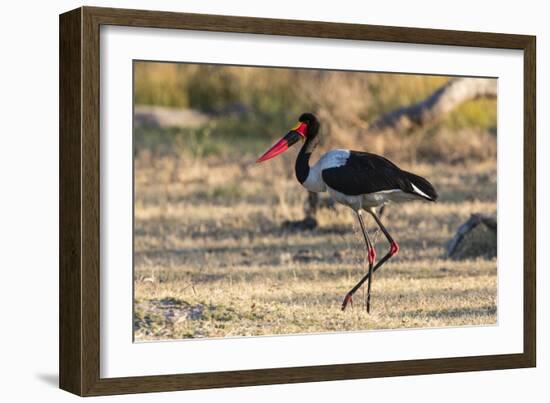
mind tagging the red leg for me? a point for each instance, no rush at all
(371, 255)
(394, 249)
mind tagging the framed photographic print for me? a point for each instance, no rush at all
(249, 201)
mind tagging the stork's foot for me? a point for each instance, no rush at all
(348, 299)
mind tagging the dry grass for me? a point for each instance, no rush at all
(252, 103)
(212, 260)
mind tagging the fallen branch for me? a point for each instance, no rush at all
(438, 104)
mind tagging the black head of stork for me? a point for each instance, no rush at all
(306, 130)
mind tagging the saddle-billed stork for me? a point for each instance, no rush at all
(360, 180)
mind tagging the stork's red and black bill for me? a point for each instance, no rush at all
(297, 133)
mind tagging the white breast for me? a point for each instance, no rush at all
(331, 159)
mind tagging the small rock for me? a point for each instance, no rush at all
(195, 312)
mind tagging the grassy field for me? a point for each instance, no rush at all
(212, 258)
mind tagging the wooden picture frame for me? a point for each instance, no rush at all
(80, 184)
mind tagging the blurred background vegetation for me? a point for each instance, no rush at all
(243, 109)
(217, 251)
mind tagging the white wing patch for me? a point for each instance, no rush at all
(331, 159)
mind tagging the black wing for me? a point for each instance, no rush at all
(368, 173)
